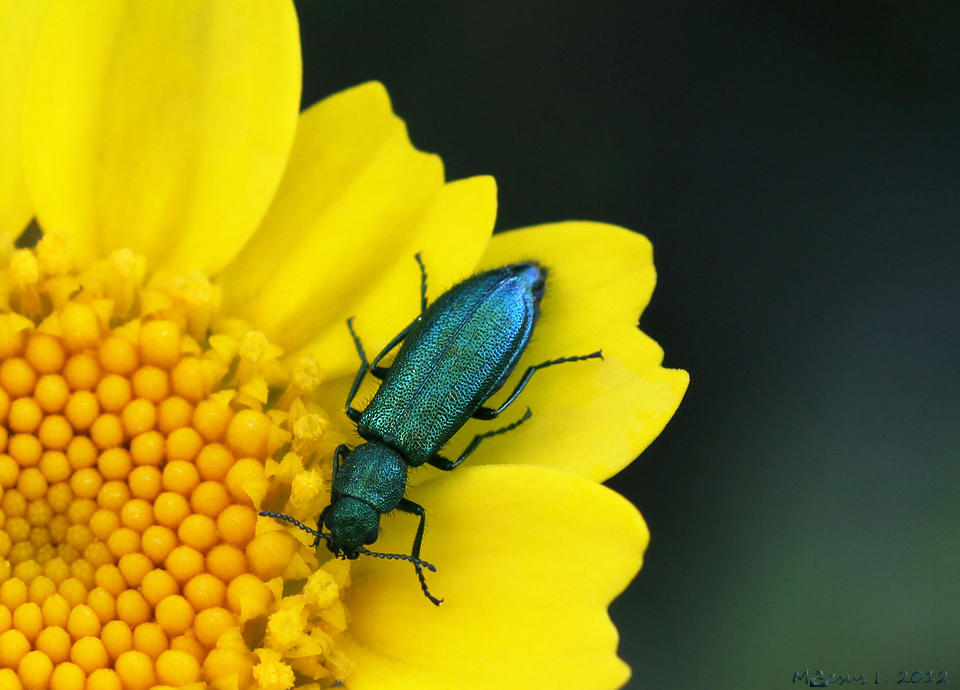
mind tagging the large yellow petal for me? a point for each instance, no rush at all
(592, 417)
(161, 126)
(528, 559)
(19, 24)
(356, 203)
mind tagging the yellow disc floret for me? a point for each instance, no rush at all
(157, 585)
(117, 638)
(133, 464)
(67, 676)
(35, 669)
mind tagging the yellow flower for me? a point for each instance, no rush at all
(174, 358)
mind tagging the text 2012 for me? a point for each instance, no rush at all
(820, 679)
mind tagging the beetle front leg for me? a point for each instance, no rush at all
(408, 506)
(494, 412)
(338, 454)
(320, 520)
(441, 463)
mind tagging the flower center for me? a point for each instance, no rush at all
(136, 447)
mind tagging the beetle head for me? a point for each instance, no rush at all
(352, 523)
(342, 552)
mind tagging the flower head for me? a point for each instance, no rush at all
(173, 359)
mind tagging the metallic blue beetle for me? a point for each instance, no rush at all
(454, 356)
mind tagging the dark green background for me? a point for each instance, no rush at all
(796, 167)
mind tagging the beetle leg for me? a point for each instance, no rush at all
(375, 368)
(353, 414)
(494, 412)
(441, 463)
(338, 454)
(423, 282)
(408, 506)
(323, 515)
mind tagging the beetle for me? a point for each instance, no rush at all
(453, 357)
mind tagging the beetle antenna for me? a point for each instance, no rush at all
(417, 564)
(401, 557)
(286, 518)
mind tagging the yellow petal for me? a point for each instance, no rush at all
(19, 24)
(356, 203)
(527, 559)
(591, 417)
(162, 127)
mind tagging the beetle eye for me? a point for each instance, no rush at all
(371, 537)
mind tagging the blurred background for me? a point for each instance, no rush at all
(796, 165)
